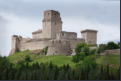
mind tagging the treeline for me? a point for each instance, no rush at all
(44, 71)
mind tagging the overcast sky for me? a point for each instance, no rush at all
(22, 17)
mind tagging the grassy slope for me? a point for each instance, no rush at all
(113, 61)
(56, 59)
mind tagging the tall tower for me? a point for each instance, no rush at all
(90, 36)
(51, 24)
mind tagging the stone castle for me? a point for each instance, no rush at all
(51, 34)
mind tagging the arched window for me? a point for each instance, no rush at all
(48, 13)
(55, 13)
(45, 24)
(55, 23)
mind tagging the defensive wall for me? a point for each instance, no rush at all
(111, 52)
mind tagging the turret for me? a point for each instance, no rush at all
(14, 44)
(90, 36)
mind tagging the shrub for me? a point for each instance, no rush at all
(46, 48)
(100, 50)
(92, 52)
(27, 58)
(21, 62)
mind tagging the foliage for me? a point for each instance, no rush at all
(44, 71)
(89, 45)
(46, 48)
(85, 50)
(104, 46)
(100, 50)
(112, 45)
(89, 60)
(76, 58)
(27, 58)
(92, 52)
(119, 44)
(79, 46)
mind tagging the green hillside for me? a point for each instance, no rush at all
(56, 59)
(112, 60)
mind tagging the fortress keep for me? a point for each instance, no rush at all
(51, 34)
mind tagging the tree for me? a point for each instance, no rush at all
(76, 58)
(89, 60)
(119, 44)
(112, 45)
(82, 75)
(91, 74)
(104, 46)
(85, 50)
(79, 46)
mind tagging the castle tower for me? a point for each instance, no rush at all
(15, 42)
(51, 24)
(90, 36)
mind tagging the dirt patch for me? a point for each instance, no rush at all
(36, 52)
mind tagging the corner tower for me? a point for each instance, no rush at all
(90, 36)
(51, 24)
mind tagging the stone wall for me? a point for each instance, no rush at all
(37, 35)
(33, 44)
(66, 35)
(73, 43)
(57, 47)
(90, 36)
(111, 52)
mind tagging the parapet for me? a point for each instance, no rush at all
(88, 30)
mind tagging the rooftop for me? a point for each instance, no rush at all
(38, 31)
(88, 30)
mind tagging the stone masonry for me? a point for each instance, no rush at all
(51, 34)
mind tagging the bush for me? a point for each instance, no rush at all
(21, 62)
(100, 50)
(46, 48)
(27, 58)
(92, 52)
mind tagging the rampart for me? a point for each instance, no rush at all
(111, 52)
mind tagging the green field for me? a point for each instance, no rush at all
(112, 60)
